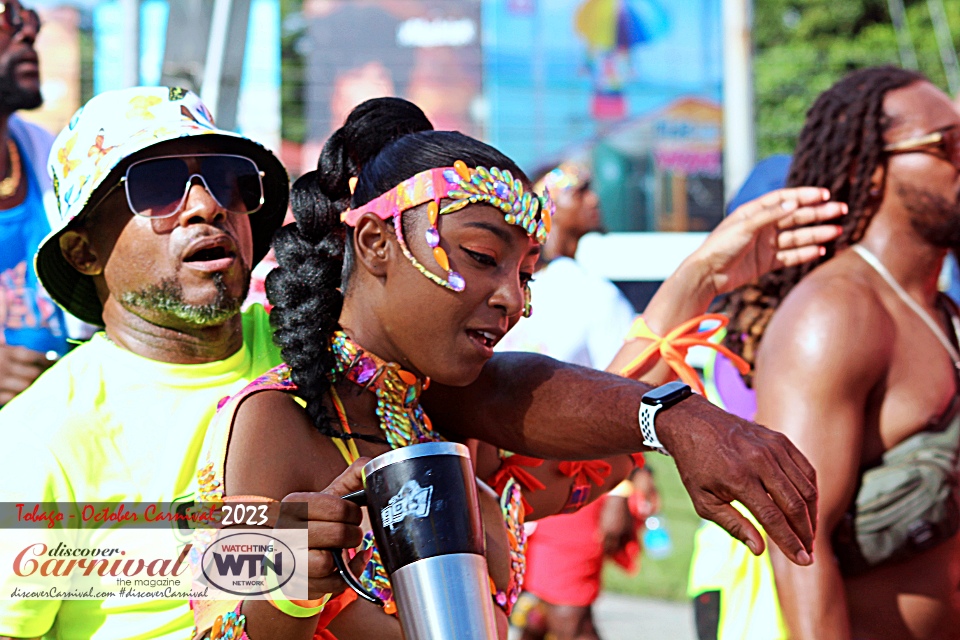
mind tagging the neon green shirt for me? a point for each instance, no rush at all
(107, 425)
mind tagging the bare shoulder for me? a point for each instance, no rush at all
(274, 448)
(833, 320)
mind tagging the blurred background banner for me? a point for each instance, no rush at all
(633, 85)
(428, 51)
(87, 47)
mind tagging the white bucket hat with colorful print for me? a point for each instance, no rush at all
(103, 138)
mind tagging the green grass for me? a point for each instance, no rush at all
(666, 578)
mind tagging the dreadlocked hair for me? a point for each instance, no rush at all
(840, 147)
(305, 287)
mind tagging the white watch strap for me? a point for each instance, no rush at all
(648, 430)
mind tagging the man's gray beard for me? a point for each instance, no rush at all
(166, 298)
(13, 97)
(933, 217)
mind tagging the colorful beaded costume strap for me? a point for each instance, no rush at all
(402, 419)
(221, 619)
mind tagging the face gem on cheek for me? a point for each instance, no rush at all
(433, 237)
(456, 281)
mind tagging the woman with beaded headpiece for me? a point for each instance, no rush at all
(409, 260)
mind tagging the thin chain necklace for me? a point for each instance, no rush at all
(874, 262)
(402, 419)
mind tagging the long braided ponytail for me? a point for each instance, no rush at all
(305, 289)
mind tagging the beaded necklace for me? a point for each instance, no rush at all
(402, 420)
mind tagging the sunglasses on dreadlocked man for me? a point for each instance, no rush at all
(944, 144)
(158, 187)
(14, 17)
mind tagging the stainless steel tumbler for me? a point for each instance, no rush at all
(423, 507)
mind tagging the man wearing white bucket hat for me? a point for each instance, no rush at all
(162, 217)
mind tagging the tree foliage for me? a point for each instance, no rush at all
(803, 46)
(292, 86)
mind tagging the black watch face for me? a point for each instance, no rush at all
(668, 394)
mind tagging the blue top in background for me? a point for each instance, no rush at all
(28, 317)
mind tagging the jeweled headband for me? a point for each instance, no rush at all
(567, 176)
(464, 186)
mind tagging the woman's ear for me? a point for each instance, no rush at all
(371, 244)
(77, 250)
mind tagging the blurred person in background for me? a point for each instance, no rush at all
(581, 318)
(856, 360)
(33, 333)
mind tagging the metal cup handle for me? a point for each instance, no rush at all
(359, 498)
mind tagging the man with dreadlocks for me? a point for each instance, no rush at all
(858, 364)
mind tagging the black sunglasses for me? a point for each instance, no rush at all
(158, 187)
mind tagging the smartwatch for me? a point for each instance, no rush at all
(655, 400)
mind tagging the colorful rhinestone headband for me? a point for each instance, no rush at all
(566, 177)
(464, 186)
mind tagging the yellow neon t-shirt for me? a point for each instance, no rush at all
(107, 425)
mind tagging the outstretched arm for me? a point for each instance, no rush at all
(538, 406)
(763, 235)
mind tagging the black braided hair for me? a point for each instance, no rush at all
(304, 288)
(383, 142)
(840, 147)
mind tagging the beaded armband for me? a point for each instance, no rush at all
(511, 504)
(374, 577)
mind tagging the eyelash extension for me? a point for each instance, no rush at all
(482, 258)
(486, 260)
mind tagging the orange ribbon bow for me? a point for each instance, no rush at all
(513, 467)
(595, 471)
(673, 347)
